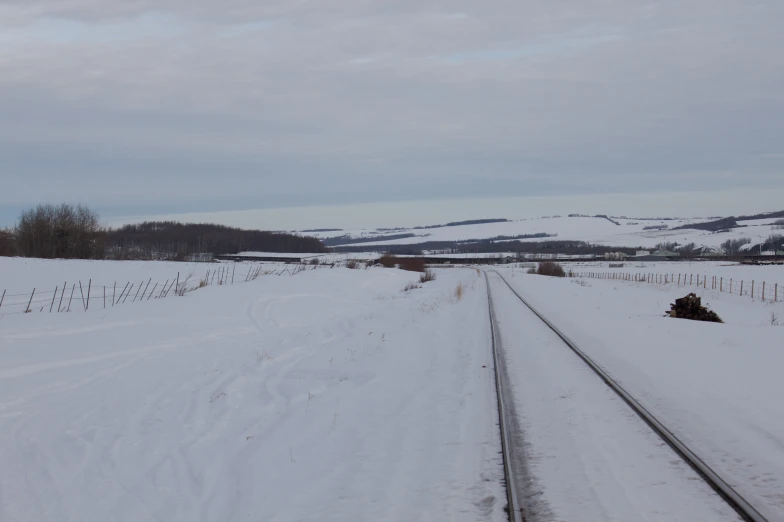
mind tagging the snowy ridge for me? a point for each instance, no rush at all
(595, 230)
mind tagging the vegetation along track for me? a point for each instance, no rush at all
(744, 509)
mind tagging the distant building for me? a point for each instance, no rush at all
(643, 253)
(615, 256)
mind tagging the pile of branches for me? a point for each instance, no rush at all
(690, 307)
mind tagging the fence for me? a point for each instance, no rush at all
(761, 290)
(65, 298)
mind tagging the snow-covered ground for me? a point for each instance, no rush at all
(729, 276)
(328, 395)
(630, 233)
(334, 395)
(717, 386)
(586, 455)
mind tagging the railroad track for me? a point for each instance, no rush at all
(512, 460)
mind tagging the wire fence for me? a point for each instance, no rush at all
(761, 290)
(84, 296)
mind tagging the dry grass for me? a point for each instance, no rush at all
(459, 291)
(411, 286)
(427, 275)
(352, 264)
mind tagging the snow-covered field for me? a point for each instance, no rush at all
(328, 395)
(334, 395)
(717, 386)
(586, 455)
(630, 233)
(729, 276)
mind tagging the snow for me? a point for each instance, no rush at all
(587, 455)
(328, 395)
(717, 386)
(630, 233)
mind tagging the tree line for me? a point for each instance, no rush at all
(74, 232)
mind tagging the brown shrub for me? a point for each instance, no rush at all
(352, 264)
(551, 268)
(459, 291)
(387, 261)
(412, 264)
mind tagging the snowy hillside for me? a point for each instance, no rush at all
(600, 231)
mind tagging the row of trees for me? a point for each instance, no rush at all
(74, 232)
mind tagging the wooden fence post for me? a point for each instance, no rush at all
(137, 291)
(741, 288)
(104, 296)
(89, 286)
(73, 288)
(752, 289)
(177, 288)
(82, 294)
(776, 293)
(763, 290)
(721, 285)
(705, 281)
(129, 292)
(55, 295)
(29, 302)
(62, 294)
(1, 298)
(152, 291)
(730, 285)
(232, 272)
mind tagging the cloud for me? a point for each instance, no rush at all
(194, 104)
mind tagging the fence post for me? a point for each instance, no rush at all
(705, 281)
(62, 294)
(177, 288)
(752, 289)
(691, 279)
(1, 298)
(162, 289)
(152, 291)
(730, 286)
(82, 294)
(89, 286)
(776, 293)
(53, 297)
(232, 272)
(104, 296)
(763, 291)
(679, 280)
(29, 302)
(73, 288)
(741, 288)
(114, 292)
(137, 291)
(129, 292)
(721, 285)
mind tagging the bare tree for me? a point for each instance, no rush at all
(7, 243)
(63, 231)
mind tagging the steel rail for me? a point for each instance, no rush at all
(746, 511)
(513, 504)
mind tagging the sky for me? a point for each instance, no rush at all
(340, 113)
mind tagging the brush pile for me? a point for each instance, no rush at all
(690, 307)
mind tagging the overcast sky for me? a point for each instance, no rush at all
(163, 107)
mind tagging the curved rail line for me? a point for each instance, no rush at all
(725, 491)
